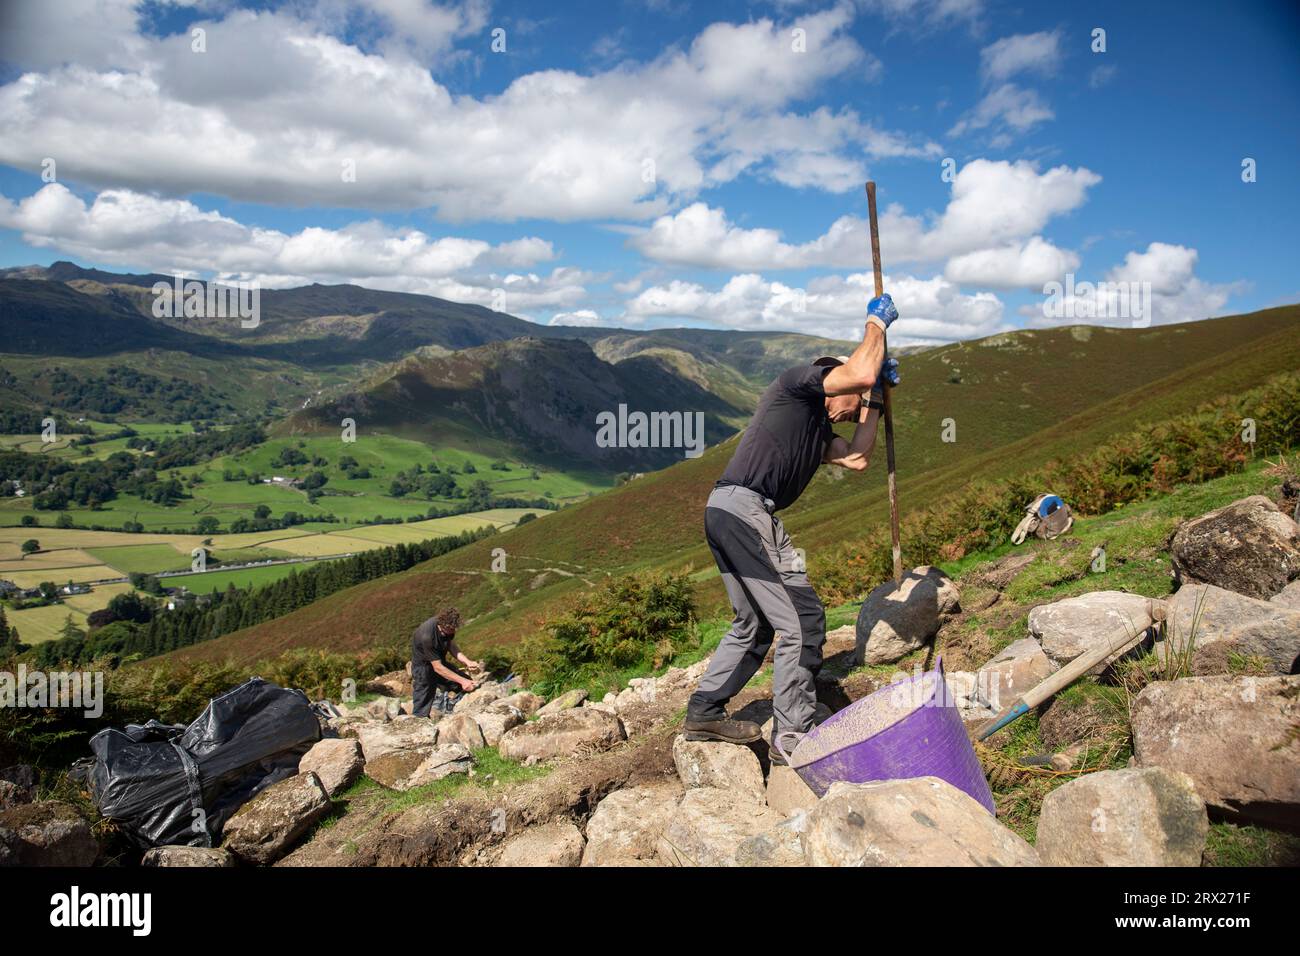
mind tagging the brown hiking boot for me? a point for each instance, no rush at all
(727, 730)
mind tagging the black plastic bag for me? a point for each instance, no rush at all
(171, 785)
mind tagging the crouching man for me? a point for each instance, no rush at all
(788, 437)
(435, 683)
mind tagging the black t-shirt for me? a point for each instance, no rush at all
(428, 644)
(786, 439)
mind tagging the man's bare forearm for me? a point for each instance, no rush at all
(860, 372)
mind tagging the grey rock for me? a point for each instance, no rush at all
(709, 826)
(562, 733)
(1018, 667)
(923, 821)
(567, 700)
(1140, 817)
(406, 769)
(494, 722)
(1075, 625)
(1205, 615)
(480, 699)
(338, 763)
(1248, 546)
(46, 833)
(558, 843)
(1288, 597)
(267, 827)
(897, 619)
(188, 856)
(404, 733)
(463, 729)
(711, 763)
(1234, 736)
(627, 824)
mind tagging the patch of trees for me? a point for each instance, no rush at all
(176, 451)
(123, 390)
(17, 421)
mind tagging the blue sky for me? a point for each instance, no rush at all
(650, 164)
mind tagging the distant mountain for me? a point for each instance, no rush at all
(536, 398)
(316, 343)
(347, 325)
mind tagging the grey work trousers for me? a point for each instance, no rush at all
(773, 599)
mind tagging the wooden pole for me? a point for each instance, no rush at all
(887, 391)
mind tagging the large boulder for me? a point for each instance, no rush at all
(896, 619)
(338, 763)
(188, 856)
(1249, 547)
(461, 729)
(709, 826)
(1073, 626)
(1135, 817)
(495, 721)
(47, 833)
(404, 733)
(922, 821)
(1234, 736)
(558, 843)
(405, 769)
(1218, 622)
(711, 763)
(567, 700)
(265, 828)
(480, 699)
(1018, 667)
(562, 733)
(626, 826)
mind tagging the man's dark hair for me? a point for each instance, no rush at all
(448, 619)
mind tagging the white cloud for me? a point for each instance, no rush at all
(989, 228)
(1007, 105)
(125, 228)
(1023, 53)
(1121, 298)
(931, 310)
(1014, 265)
(276, 107)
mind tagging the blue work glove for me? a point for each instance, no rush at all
(889, 371)
(882, 307)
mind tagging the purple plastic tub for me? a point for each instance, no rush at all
(908, 729)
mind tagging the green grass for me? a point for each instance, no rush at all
(490, 770)
(241, 578)
(1230, 845)
(353, 501)
(147, 558)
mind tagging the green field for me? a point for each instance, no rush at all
(351, 501)
(149, 558)
(241, 578)
(83, 556)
